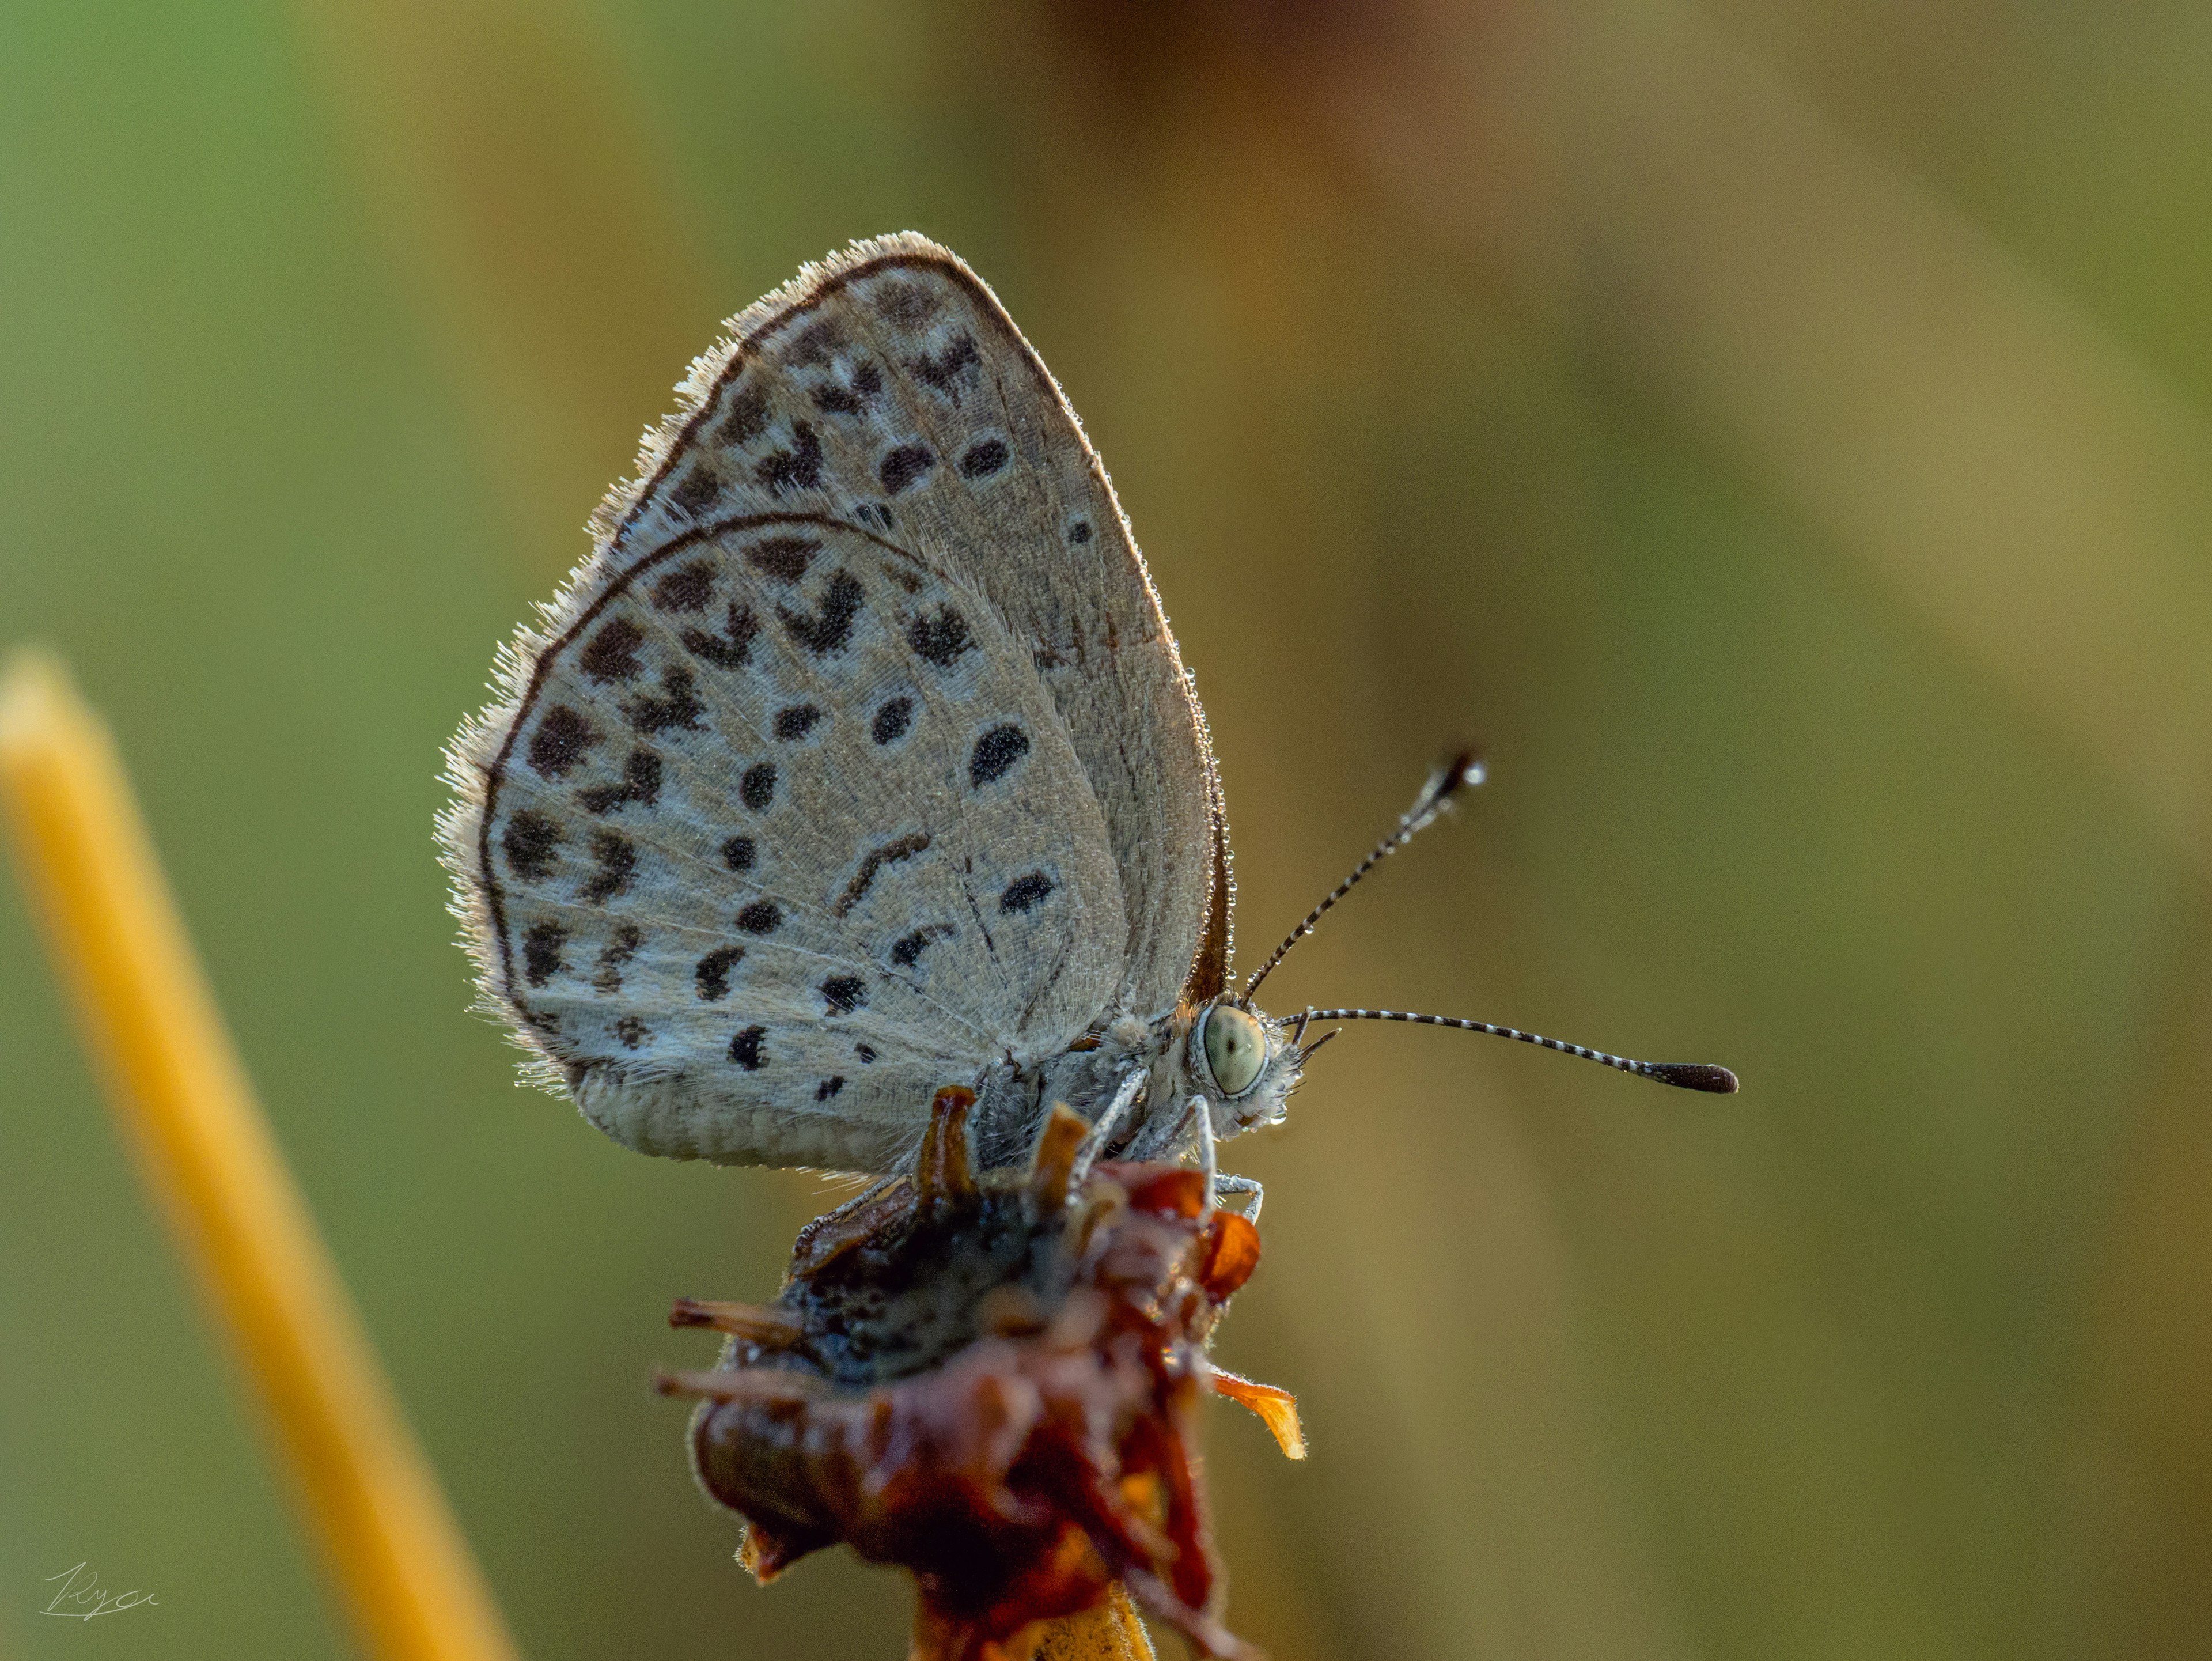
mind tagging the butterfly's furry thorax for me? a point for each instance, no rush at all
(1159, 1119)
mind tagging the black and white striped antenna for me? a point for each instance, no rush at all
(1686, 1075)
(1462, 770)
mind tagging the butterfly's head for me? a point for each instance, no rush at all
(1242, 1062)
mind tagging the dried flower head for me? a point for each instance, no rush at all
(991, 1379)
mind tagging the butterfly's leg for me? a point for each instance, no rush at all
(1161, 1137)
(1207, 1160)
(1216, 1182)
(859, 1200)
(849, 1221)
(1228, 1184)
(1102, 1133)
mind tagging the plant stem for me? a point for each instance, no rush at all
(181, 1097)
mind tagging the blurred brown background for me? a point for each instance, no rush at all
(1782, 433)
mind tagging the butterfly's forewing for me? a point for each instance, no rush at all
(891, 388)
(875, 507)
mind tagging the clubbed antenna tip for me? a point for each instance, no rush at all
(1695, 1075)
(1463, 771)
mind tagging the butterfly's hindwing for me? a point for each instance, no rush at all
(751, 843)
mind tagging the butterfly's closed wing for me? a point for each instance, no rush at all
(858, 757)
(889, 387)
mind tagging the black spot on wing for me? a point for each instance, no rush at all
(892, 720)
(745, 1049)
(616, 857)
(747, 417)
(614, 956)
(612, 654)
(633, 1031)
(696, 492)
(950, 369)
(902, 466)
(1078, 531)
(983, 459)
(800, 467)
(828, 629)
(844, 993)
(829, 1087)
(679, 706)
(940, 638)
(865, 1052)
(713, 972)
(995, 754)
(1024, 893)
(784, 558)
(890, 854)
(796, 722)
(541, 952)
(758, 788)
(907, 951)
(729, 650)
(686, 588)
(738, 853)
(863, 382)
(561, 738)
(761, 917)
(814, 345)
(641, 783)
(529, 842)
(908, 303)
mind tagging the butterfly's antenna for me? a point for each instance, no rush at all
(1688, 1075)
(1463, 769)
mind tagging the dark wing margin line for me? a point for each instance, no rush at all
(673, 444)
(1209, 969)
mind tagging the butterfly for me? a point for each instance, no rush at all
(858, 760)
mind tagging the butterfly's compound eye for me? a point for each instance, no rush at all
(1235, 1050)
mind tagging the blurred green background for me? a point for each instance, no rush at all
(1781, 433)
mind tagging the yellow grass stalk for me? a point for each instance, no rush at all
(181, 1096)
